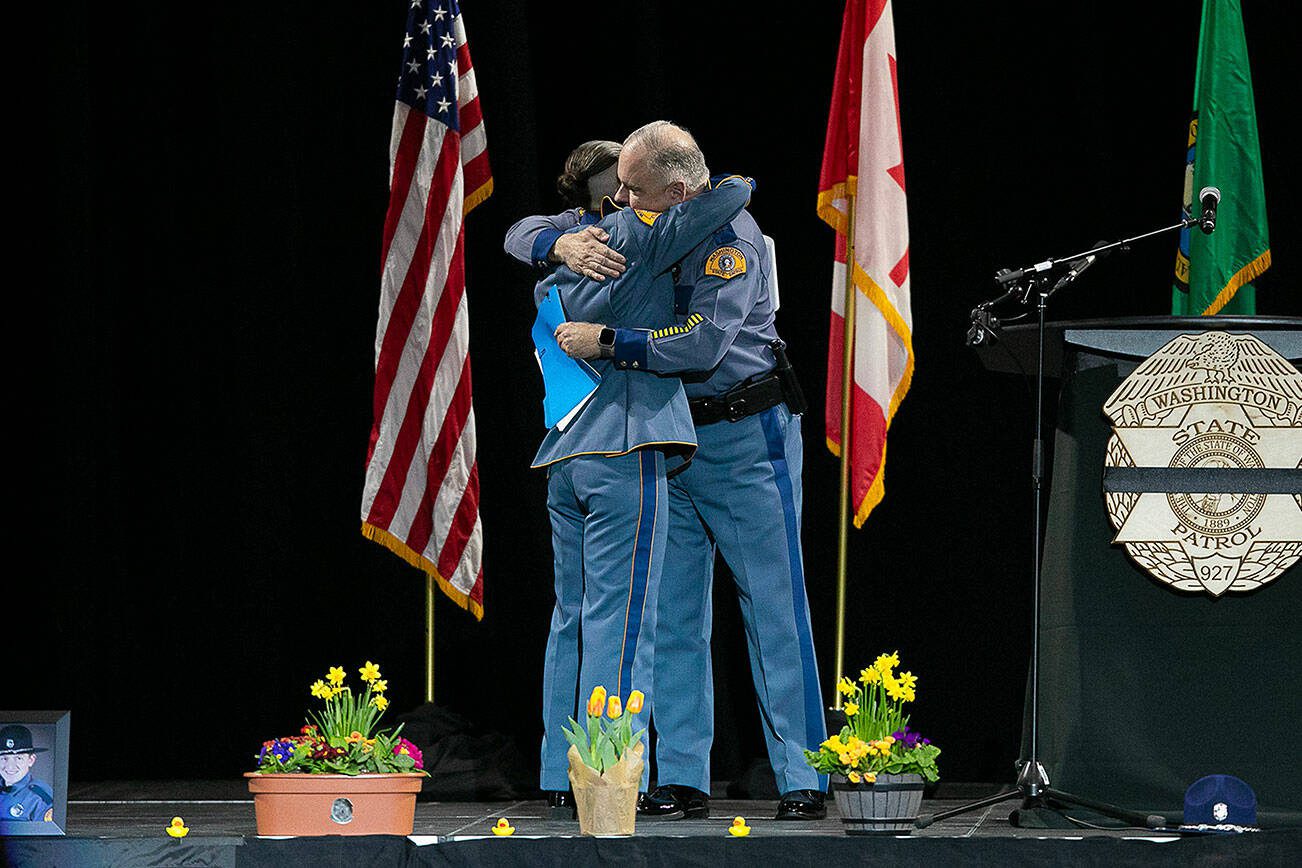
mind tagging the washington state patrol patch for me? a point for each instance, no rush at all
(647, 217)
(726, 262)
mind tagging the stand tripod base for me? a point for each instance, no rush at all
(1043, 810)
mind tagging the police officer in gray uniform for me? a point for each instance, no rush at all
(606, 493)
(21, 797)
(742, 495)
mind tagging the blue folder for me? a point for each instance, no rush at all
(568, 383)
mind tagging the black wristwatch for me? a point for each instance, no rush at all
(606, 341)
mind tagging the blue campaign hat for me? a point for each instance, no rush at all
(1220, 804)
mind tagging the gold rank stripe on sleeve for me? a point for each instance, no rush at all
(692, 322)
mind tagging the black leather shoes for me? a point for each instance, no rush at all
(561, 805)
(673, 802)
(802, 805)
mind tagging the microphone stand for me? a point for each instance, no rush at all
(1032, 785)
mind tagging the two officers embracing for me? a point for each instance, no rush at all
(690, 445)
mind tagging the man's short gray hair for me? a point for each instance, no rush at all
(672, 153)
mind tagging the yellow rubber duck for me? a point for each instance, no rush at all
(503, 827)
(739, 829)
(178, 828)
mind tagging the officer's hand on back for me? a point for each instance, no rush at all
(586, 253)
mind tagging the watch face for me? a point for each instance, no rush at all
(607, 337)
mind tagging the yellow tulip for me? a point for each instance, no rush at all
(597, 701)
(613, 711)
(635, 700)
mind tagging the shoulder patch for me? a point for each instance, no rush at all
(647, 217)
(726, 262)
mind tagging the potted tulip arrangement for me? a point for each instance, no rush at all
(877, 764)
(341, 775)
(606, 764)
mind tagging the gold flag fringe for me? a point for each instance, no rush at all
(477, 197)
(877, 296)
(402, 550)
(1247, 273)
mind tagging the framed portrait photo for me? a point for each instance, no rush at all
(33, 772)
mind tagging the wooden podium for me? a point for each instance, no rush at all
(1145, 688)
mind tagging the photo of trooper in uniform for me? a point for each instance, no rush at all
(23, 796)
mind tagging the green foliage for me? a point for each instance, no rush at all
(342, 737)
(602, 742)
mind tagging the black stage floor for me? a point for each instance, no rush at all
(122, 823)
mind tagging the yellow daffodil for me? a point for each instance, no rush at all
(908, 694)
(854, 777)
(894, 690)
(380, 702)
(614, 709)
(885, 662)
(335, 691)
(597, 701)
(380, 686)
(846, 686)
(851, 709)
(370, 671)
(869, 676)
(908, 679)
(336, 676)
(320, 690)
(635, 700)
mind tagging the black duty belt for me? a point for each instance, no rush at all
(740, 401)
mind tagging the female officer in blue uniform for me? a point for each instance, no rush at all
(607, 486)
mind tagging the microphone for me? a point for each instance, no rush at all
(1209, 197)
(1077, 267)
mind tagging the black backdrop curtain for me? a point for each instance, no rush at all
(206, 190)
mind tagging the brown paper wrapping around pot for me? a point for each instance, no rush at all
(607, 802)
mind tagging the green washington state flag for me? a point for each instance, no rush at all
(1212, 272)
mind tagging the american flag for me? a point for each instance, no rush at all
(863, 162)
(421, 498)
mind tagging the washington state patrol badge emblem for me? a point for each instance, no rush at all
(1197, 430)
(726, 262)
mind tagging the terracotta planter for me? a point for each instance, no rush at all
(888, 807)
(305, 804)
(607, 802)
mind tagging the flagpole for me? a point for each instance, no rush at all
(847, 382)
(430, 591)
